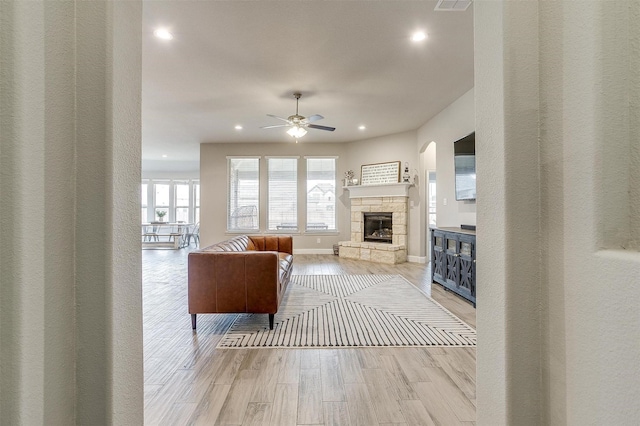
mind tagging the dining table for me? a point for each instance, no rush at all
(165, 234)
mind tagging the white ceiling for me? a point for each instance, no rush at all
(233, 62)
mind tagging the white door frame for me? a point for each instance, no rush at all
(427, 214)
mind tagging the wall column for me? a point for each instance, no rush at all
(508, 220)
(557, 101)
(70, 293)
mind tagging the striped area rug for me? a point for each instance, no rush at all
(351, 311)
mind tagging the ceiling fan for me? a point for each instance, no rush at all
(299, 123)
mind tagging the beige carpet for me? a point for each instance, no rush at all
(351, 311)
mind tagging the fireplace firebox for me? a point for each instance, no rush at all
(378, 227)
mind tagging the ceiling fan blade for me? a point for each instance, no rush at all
(277, 125)
(279, 118)
(314, 117)
(315, 126)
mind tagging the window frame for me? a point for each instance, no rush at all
(155, 205)
(258, 227)
(177, 206)
(297, 201)
(335, 229)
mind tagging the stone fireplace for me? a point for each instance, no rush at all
(378, 223)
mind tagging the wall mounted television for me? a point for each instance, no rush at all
(464, 155)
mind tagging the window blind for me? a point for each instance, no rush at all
(283, 194)
(321, 194)
(244, 194)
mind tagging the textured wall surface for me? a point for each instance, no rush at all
(491, 388)
(36, 189)
(70, 305)
(590, 303)
(508, 220)
(556, 102)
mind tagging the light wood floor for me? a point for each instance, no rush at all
(188, 381)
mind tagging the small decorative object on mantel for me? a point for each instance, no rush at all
(348, 178)
(406, 176)
(380, 173)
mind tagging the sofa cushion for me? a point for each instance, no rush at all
(272, 243)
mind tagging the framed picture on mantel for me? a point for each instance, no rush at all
(380, 173)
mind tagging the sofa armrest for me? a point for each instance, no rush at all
(233, 282)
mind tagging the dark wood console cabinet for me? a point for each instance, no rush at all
(453, 261)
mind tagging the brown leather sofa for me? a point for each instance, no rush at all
(245, 274)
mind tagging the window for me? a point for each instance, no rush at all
(182, 201)
(179, 199)
(283, 194)
(161, 200)
(321, 194)
(431, 213)
(244, 194)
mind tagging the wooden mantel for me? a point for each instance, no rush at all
(383, 190)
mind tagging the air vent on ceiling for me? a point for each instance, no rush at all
(452, 5)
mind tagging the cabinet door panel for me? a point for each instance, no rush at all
(452, 257)
(438, 258)
(466, 284)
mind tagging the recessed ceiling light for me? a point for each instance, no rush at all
(164, 156)
(163, 33)
(238, 127)
(418, 36)
(362, 127)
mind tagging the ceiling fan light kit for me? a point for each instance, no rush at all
(297, 132)
(299, 123)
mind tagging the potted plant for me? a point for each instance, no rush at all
(161, 214)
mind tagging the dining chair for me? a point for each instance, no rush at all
(176, 231)
(150, 233)
(195, 233)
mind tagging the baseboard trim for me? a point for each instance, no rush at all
(413, 259)
(312, 251)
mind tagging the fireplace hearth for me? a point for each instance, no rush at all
(378, 227)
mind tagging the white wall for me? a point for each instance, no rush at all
(430, 162)
(70, 287)
(167, 165)
(557, 89)
(213, 190)
(451, 124)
